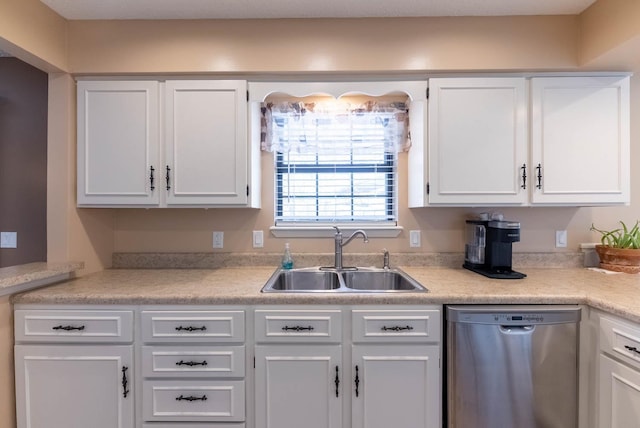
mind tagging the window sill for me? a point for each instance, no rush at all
(329, 231)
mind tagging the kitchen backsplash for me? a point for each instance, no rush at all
(218, 260)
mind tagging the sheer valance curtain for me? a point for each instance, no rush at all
(334, 127)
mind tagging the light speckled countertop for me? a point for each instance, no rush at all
(616, 293)
(22, 277)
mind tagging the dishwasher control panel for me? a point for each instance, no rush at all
(513, 315)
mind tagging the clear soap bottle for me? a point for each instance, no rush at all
(287, 260)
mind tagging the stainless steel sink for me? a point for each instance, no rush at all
(350, 280)
(372, 279)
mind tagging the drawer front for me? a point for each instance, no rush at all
(621, 340)
(192, 326)
(298, 326)
(32, 325)
(193, 361)
(191, 401)
(396, 325)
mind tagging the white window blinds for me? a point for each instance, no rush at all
(335, 162)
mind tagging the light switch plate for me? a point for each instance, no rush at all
(258, 239)
(414, 239)
(561, 238)
(8, 239)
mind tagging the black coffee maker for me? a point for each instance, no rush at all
(488, 248)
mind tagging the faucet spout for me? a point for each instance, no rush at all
(339, 243)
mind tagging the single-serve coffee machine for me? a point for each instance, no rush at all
(488, 247)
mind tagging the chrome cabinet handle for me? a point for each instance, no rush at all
(539, 176)
(524, 175)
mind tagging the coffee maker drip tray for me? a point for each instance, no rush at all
(495, 273)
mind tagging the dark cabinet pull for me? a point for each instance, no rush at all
(524, 175)
(191, 328)
(191, 398)
(297, 328)
(151, 179)
(67, 327)
(191, 363)
(396, 328)
(337, 382)
(633, 349)
(125, 382)
(357, 382)
(168, 177)
(539, 176)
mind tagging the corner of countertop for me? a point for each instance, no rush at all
(16, 279)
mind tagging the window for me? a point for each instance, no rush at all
(335, 161)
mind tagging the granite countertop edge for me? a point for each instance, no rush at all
(617, 294)
(29, 276)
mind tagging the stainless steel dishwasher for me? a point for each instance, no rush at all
(512, 366)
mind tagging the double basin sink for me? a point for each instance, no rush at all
(348, 280)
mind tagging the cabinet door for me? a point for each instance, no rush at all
(396, 386)
(298, 386)
(580, 140)
(206, 142)
(118, 144)
(619, 394)
(477, 141)
(72, 386)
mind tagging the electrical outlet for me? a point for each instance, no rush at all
(414, 239)
(8, 239)
(258, 239)
(218, 239)
(561, 238)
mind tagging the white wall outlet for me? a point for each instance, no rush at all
(561, 238)
(8, 239)
(414, 239)
(218, 239)
(258, 239)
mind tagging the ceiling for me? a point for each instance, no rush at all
(250, 9)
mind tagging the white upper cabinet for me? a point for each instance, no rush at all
(194, 152)
(477, 141)
(580, 140)
(206, 142)
(523, 141)
(118, 143)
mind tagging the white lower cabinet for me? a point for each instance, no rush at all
(619, 374)
(381, 368)
(66, 380)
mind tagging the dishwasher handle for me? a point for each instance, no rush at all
(517, 329)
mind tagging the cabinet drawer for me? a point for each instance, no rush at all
(192, 326)
(621, 340)
(298, 326)
(193, 361)
(187, 401)
(396, 325)
(32, 325)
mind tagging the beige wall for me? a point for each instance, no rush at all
(7, 395)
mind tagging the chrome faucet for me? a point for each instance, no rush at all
(385, 259)
(339, 243)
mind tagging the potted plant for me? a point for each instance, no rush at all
(620, 248)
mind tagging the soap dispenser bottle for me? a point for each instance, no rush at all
(287, 260)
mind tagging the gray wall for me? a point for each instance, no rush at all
(23, 160)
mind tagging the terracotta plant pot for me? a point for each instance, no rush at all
(619, 259)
